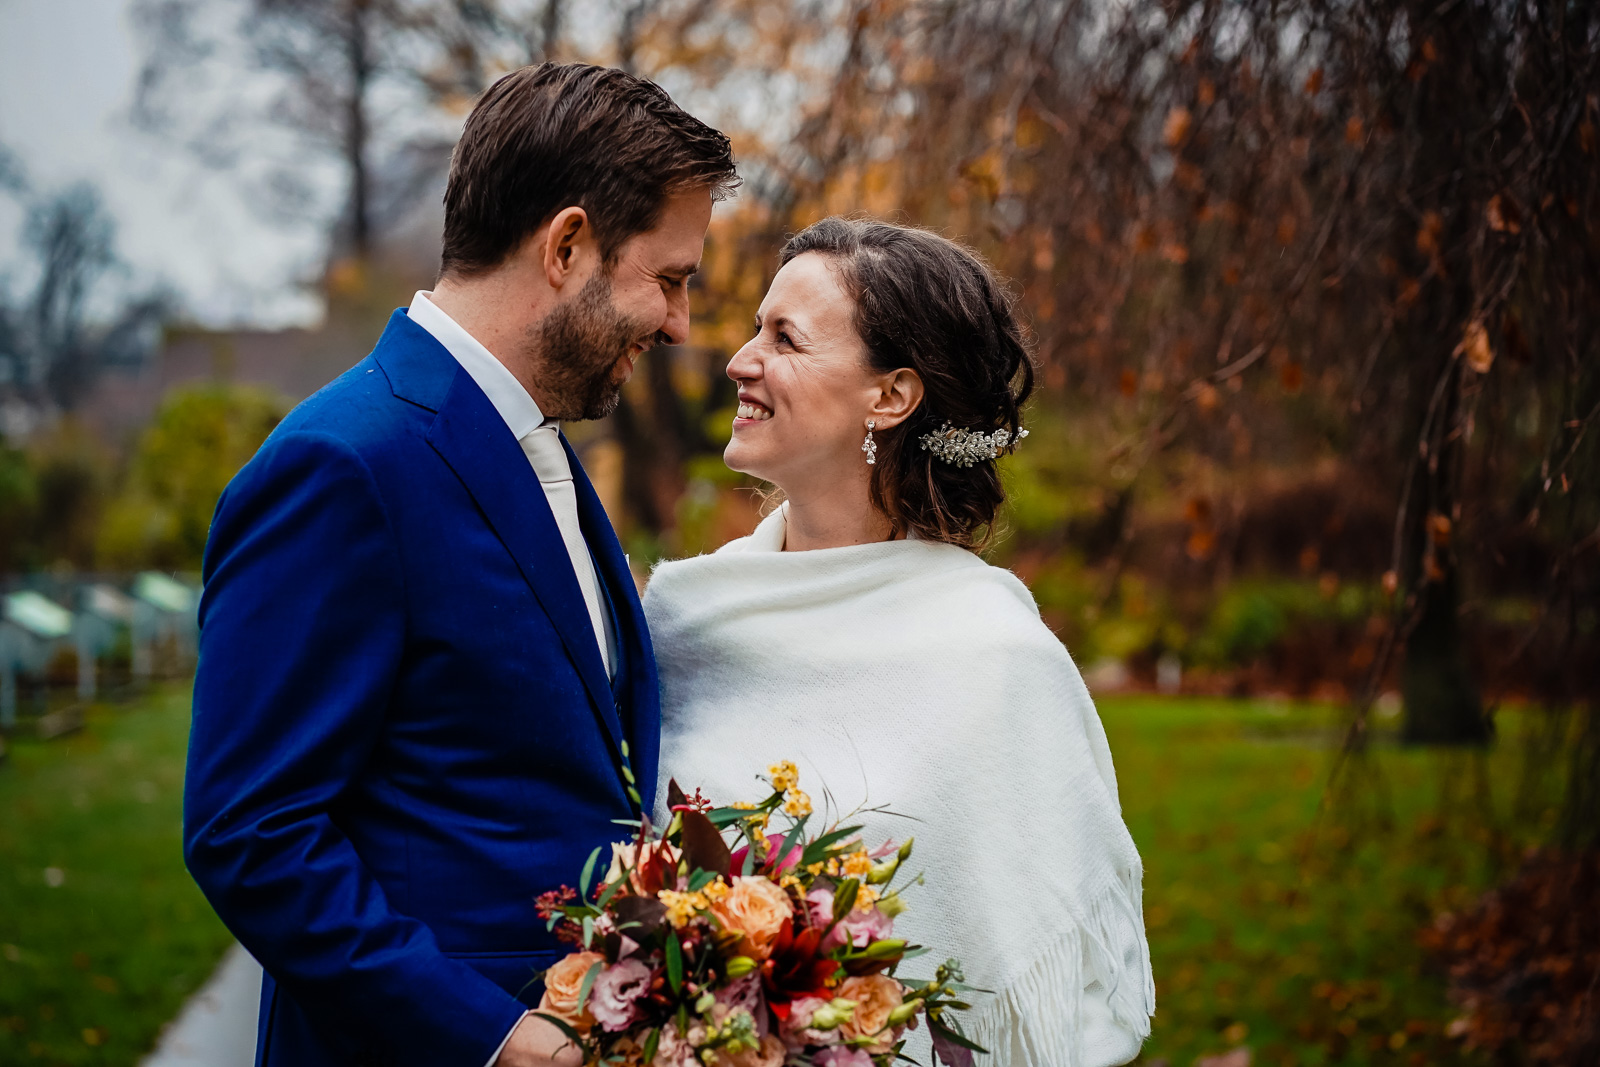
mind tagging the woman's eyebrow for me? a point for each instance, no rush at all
(794, 328)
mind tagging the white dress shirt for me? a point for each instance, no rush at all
(541, 443)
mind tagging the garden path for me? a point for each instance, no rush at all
(217, 1027)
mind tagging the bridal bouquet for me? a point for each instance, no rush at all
(757, 949)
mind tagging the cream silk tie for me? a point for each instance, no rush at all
(543, 448)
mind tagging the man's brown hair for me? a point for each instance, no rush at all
(572, 135)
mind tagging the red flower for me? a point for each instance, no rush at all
(795, 969)
(548, 904)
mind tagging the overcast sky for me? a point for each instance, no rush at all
(67, 71)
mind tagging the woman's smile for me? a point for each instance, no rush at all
(750, 412)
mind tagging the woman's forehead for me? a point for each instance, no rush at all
(808, 289)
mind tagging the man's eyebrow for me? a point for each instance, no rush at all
(682, 272)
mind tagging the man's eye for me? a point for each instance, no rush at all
(783, 338)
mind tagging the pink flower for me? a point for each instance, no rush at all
(743, 994)
(861, 927)
(797, 1032)
(614, 999)
(775, 867)
(675, 1049)
(839, 1056)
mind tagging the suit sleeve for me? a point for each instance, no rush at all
(302, 635)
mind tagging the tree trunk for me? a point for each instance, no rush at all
(1442, 703)
(357, 133)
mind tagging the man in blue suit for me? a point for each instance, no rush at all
(425, 690)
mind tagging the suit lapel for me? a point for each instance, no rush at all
(470, 436)
(636, 674)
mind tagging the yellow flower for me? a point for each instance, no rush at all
(681, 907)
(866, 897)
(715, 892)
(815, 869)
(857, 865)
(796, 804)
(784, 776)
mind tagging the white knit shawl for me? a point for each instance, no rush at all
(914, 675)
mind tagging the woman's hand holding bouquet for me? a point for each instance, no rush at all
(779, 950)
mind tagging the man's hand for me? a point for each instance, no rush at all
(537, 1042)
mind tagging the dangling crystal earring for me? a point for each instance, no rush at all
(869, 446)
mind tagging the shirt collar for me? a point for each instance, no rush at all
(521, 414)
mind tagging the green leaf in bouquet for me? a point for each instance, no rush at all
(913, 951)
(844, 898)
(588, 872)
(588, 930)
(611, 891)
(674, 963)
(955, 1036)
(818, 849)
(726, 816)
(588, 985)
(700, 879)
(878, 950)
(562, 1025)
(652, 1041)
(703, 846)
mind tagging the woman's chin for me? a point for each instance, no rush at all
(738, 457)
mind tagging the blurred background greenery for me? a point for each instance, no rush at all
(1311, 493)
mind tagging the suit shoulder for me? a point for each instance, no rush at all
(357, 409)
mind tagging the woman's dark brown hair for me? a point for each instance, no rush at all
(927, 303)
(572, 135)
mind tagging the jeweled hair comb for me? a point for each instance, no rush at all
(964, 448)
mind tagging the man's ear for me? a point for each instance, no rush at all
(899, 394)
(568, 240)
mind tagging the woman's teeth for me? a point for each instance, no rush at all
(751, 411)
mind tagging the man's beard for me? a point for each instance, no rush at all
(579, 345)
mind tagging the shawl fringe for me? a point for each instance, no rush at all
(1038, 1015)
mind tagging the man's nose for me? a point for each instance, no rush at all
(675, 330)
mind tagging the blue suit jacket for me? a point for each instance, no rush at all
(403, 729)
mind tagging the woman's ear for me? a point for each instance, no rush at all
(899, 394)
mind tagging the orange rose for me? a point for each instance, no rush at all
(876, 996)
(755, 909)
(563, 983)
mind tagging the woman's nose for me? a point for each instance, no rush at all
(744, 365)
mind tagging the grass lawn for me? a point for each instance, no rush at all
(1288, 933)
(102, 933)
(1272, 928)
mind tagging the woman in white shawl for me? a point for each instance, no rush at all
(857, 633)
